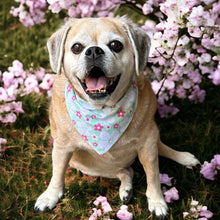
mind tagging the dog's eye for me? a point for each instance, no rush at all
(116, 46)
(77, 48)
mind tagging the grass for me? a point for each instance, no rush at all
(25, 166)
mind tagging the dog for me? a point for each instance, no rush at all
(102, 109)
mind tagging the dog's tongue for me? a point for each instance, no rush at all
(93, 83)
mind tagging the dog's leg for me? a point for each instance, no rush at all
(54, 192)
(125, 190)
(149, 159)
(184, 158)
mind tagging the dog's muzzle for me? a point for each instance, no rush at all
(96, 84)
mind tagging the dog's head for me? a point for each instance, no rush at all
(99, 56)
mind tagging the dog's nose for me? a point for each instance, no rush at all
(93, 53)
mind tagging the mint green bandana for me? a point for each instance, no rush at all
(101, 128)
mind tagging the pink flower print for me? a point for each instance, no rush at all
(74, 98)
(95, 144)
(74, 122)
(98, 127)
(108, 126)
(121, 113)
(113, 106)
(78, 114)
(87, 119)
(116, 125)
(85, 137)
(94, 136)
(69, 87)
(134, 85)
(93, 116)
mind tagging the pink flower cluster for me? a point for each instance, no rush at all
(171, 194)
(30, 12)
(85, 8)
(209, 170)
(197, 211)
(122, 214)
(185, 49)
(105, 207)
(17, 82)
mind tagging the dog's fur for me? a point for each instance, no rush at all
(141, 137)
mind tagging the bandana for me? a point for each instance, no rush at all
(101, 128)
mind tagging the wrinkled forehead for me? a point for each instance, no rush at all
(96, 30)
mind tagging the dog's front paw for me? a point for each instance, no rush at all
(47, 200)
(158, 207)
(125, 193)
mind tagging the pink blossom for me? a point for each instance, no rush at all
(216, 161)
(17, 69)
(205, 212)
(99, 200)
(185, 214)
(208, 171)
(194, 203)
(3, 94)
(171, 194)
(40, 74)
(47, 82)
(31, 84)
(96, 213)
(8, 79)
(147, 8)
(165, 179)
(166, 111)
(17, 107)
(8, 118)
(180, 92)
(215, 76)
(106, 207)
(123, 213)
(197, 95)
(55, 7)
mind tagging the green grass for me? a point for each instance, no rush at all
(25, 166)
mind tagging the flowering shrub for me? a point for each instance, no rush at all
(16, 82)
(30, 12)
(185, 49)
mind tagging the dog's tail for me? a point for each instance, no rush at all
(184, 158)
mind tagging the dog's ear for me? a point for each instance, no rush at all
(55, 45)
(140, 42)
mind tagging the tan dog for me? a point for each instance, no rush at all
(99, 57)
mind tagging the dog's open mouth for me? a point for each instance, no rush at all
(97, 85)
